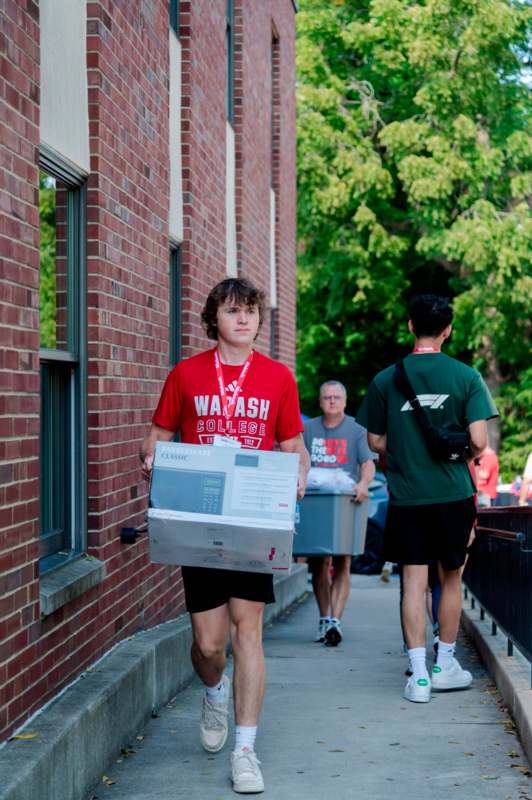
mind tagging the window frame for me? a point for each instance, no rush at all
(175, 316)
(173, 13)
(230, 45)
(274, 318)
(67, 367)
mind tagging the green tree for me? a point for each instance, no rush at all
(414, 156)
(47, 275)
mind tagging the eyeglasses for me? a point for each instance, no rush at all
(330, 397)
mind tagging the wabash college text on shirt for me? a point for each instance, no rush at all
(266, 411)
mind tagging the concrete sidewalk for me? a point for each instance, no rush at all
(335, 723)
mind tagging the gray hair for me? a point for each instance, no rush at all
(333, 383)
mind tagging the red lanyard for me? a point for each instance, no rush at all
(418, 350)
(228, 407)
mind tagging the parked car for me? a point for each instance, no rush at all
(370, 562)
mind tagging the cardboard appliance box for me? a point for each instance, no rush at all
(223, 507)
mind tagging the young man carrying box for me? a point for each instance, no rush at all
(336, 441)
(230, 392)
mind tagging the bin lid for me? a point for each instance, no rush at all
(322, 492)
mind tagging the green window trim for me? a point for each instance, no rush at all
(175, 306)
(274, 350)
(173, 11)
(230, 43)
(63, 469)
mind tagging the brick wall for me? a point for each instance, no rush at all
(19, 364)
(256, 24)
(284, 19)
(128, 300)
(202, 36)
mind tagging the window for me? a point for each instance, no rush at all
(230, 40)
(62, 364)
(173, 8)
(175, 306)
(274, 349)
(275, 143)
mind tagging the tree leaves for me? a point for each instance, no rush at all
(414, 169)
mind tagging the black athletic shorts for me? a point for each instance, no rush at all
(430, 533)
(209, 588)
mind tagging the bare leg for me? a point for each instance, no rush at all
(341, 585)
(428, 603)
(415, 580)
(249, 673)
(450, 606)
(321, 583)
(211, 634)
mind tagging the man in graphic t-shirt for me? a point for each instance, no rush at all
(335, 441)
(432, 506)
(230, 392)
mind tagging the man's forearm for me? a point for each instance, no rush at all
(377, 443)
(297, 445)
(147, 447)
(304, 460)
(367, 471)
(478, 432)
(154, 435)
(523, 495)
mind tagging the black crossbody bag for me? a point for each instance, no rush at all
(445, 443)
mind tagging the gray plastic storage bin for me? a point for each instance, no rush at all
(330, 524)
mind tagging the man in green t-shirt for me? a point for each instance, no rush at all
(432, 508)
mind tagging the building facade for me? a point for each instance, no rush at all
(147, 150)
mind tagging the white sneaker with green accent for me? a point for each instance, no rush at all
(245, 772)
(213, 724)
(322, 627)
(452, 677)
(417, 691)
(333, 633)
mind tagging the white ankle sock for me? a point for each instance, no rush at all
(445, 654)
(325, 619)
(335, 621)
(418, 662)
(216, 694)
(245, 737)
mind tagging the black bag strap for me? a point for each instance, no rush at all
(402, 381)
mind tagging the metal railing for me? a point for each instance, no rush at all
(499, 574)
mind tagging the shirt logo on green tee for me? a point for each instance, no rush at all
(427, 400)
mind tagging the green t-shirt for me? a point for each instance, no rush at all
(452, 394)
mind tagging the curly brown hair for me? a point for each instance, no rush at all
(241, 292)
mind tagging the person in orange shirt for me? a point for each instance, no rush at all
(487, 477)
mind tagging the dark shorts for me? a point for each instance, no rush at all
(210, 588)
(431, 533)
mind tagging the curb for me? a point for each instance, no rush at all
(87, 725)
(511, 674)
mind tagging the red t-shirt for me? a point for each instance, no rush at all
(488, 474)
(267, 409)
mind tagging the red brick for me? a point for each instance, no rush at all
(127, 299)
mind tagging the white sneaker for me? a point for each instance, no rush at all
(322, 627)
(387, 570)
(333, 634)
(246, 774)
(417, 691)
(213, 724)
(453, 677)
